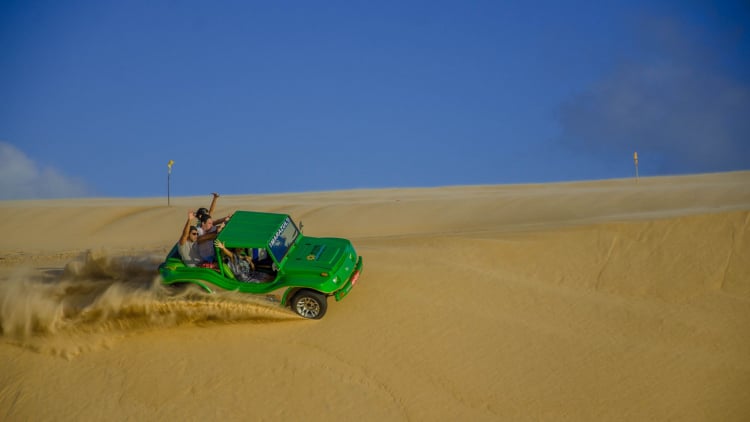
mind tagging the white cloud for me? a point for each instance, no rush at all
(675, 100)
(21, 178)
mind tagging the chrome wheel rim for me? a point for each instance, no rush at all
(308, 307)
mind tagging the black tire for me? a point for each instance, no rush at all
(176, 287)
(309, 304)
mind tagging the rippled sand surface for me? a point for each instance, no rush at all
(603, 300)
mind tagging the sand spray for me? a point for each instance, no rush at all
(101, 298)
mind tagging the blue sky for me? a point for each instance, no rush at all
(289, 96)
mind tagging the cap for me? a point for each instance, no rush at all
(202, 215)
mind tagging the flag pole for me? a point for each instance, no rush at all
(169, 174)
(635, 160)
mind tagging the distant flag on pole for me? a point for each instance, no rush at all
(169, 173)
(635, 160)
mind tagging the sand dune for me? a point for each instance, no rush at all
(604, 300)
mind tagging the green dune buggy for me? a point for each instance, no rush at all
(299, 271)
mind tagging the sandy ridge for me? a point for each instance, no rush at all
(603, 300)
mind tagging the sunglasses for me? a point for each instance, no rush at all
(193, 233)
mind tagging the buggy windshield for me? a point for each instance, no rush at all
(283, 239)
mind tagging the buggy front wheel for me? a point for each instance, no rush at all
(309, 304)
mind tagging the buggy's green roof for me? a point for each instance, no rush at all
(250, 229)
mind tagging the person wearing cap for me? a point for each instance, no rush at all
(188, 243)
(204, 215)
(202, 212)
(207, 230)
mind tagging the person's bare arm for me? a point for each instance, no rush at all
(224, 219)
(250, 261)
(226, 251)
(207, 237)
(212, 234)
(186, 229)
(212, 207)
